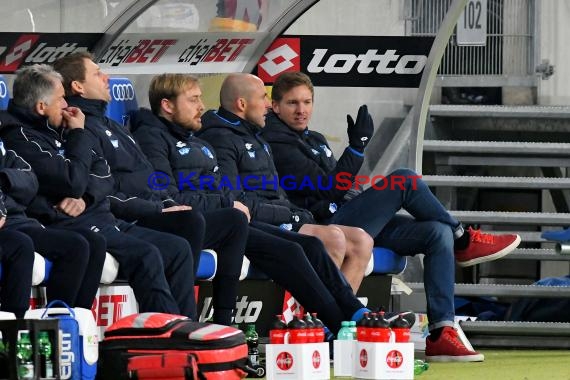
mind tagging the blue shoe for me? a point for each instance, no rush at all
(557, 235)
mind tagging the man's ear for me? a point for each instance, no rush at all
(275, 107)
(40, 108)
(241, 104)
(77, 88)
(166, 107)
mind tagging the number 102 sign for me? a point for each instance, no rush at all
(472, 24)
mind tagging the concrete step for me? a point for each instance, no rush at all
(544, 254)
(501, 290)
(517, 328)
(497, 182)
(462, 147)
(498, 111)
(517, 334)
(520, 218)
(526, 236)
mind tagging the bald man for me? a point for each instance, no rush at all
(245, 161)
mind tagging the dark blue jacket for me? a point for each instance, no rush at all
(132, 197)
(65, 165)
(19, 186)
(185, 160)
(242, 152)
(306, 156)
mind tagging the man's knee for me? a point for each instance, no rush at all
(235, 217)
(149, 259)
(363, 244)
(335, 242)
(439, 234)
(77, 247)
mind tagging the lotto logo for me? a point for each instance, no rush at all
(283, 55)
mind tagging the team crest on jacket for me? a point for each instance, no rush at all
(250, 152)
(108, 133)
(326, 150)
(207, 152)
(184, 151)
(57, 143)
(315, 152)
(180, 144)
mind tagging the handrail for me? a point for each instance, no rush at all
(421, 105)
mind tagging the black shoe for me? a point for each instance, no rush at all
(409, 316)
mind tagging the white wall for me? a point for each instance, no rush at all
(366, 18)
(554, 39)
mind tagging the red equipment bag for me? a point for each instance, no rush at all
(171, 366)
(220, 351)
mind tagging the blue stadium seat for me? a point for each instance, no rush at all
(4, 93)
(40, 273)
(42, 267)
(382, 262)
(123, 100)
(208, 265)
(385, 261)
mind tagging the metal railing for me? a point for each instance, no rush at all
(507, 58)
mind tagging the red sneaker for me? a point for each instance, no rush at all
(449, 348)
(485, 247)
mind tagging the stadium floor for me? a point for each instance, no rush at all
(504, 365)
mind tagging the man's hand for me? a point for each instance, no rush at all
(2, 221)
(360, 132)
(73, 118)
(177, 208)
(243, 208)
(72, 206)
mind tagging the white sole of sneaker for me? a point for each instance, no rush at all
(451, 358)
(495, 256)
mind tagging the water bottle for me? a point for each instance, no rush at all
(46, 363)
(3, 359)
(277, 331)
(344, 333)
(252, 340)
(352, 325)
(319, 328)
(24, 353)
(420, 366)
